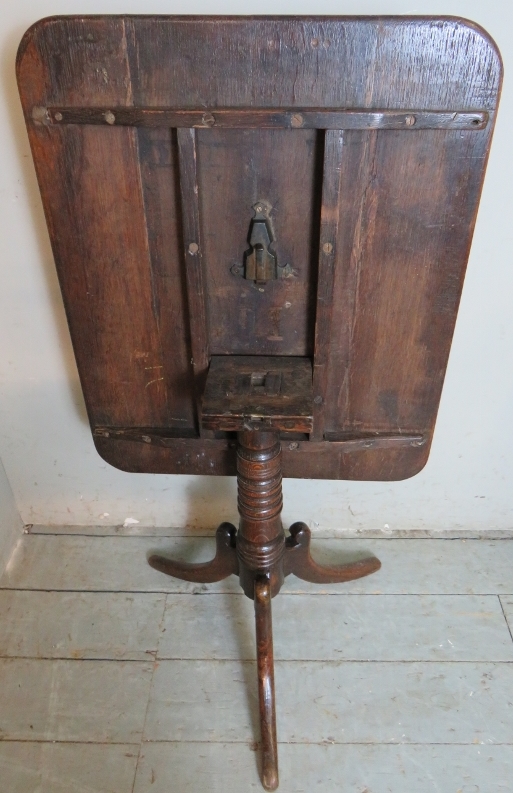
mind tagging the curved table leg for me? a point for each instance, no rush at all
(297, 560)
(265, 666)
(222, 565)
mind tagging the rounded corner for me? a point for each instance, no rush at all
(419, 467)
(103, 451)
(487, 37)
(28, 38)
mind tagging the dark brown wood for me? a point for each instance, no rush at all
(330, 219)
(258, 393)
(222, 565)
(266, 691)
(262, 557)
(260, 539)
(158, 156)
(275, 318)
(251, 118)
(193, 255)
(259, 195)
(382, 456)
(298, 561)
(406, 210)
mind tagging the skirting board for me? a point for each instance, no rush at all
(135, 530)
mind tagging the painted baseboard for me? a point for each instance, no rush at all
(319, 532)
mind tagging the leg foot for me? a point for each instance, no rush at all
(222, 565)
(265, 664)
(298, 560)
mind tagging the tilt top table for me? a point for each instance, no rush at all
(261, 228)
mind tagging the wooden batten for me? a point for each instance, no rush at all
(328, 260)
(193, 258)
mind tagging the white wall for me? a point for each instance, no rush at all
(45, 443)
(11, 525)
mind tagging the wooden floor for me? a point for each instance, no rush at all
(117, 679)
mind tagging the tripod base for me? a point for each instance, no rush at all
(296, 560)
(261, 555)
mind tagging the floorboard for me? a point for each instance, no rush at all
(117, 679)
(307, 768)
(67, 767)
(117, 564)
(339, 628)
(109, 625)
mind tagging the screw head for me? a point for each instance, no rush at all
(318, 400)
(109, 117)
(58, 116)
(410, 121)
(297, 120)
(327, 247)
(208, 119)
(193, 248)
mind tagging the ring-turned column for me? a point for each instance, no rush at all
(260, 539)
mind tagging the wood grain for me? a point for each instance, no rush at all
(407, 203)
(237, 169)
(328, 238)
(233, 401)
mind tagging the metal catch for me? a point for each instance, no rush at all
(260, 263)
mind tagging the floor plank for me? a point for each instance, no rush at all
(119, 564)
(507, 606)
(341, 702)
(91, 701)
(232, 768)
(400, 683)
(354, 627)
(111, 625)
(67, 767)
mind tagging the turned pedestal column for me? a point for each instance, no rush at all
(262, 557)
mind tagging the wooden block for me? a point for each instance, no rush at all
(260, 392)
